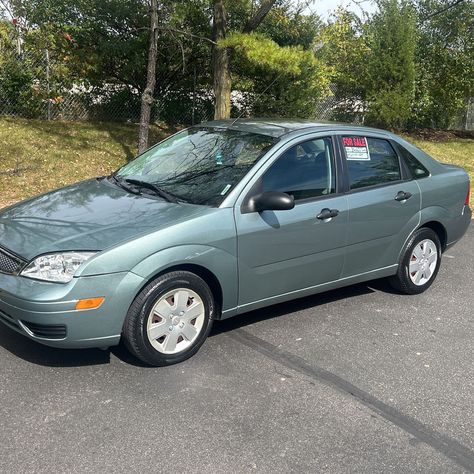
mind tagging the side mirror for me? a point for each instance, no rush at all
(271, 201)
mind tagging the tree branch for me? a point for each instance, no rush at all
(441, 10)
(6, 8)
(186, 33)
(259, 16)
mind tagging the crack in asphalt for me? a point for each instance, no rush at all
(445, 445)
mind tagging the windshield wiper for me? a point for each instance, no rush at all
(120, 184)
(145, 184)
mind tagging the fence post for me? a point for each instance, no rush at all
(193, 117)
(467, 115)
(48, 87)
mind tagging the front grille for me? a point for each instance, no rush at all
(9, 263)
(47, 331)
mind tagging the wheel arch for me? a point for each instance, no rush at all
(439, 229)
(217, 267)
(205, 274)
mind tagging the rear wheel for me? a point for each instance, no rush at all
(170, 319)
(420, 263)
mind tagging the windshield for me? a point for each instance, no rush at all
(199, 165)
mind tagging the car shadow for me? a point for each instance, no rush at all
(35, 353)
(292, 306)
(383, 285)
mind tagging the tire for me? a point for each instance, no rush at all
(170, 319)
(417, 263)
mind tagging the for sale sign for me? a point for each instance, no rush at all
(356, 148)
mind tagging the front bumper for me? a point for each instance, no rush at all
(45, 312)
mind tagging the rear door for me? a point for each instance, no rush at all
(383, 200)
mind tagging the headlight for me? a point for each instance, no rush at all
(56, 267)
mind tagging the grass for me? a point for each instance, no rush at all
(457, 151)
(454, 148)
(36, 156)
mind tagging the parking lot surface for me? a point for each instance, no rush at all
(355, 380)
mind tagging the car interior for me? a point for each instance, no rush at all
(304, 171)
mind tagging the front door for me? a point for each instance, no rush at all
(282, 252)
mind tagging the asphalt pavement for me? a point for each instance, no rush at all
(354, 380)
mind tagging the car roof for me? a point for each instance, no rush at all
(278, 127)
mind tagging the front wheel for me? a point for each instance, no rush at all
(170, 319)
(420, 263)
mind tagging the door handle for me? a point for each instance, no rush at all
(402, 196)
(327, 214)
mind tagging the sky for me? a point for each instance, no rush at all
(325, 7)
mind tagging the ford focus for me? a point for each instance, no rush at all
(219, 219)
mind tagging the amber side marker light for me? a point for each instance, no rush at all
(90, 303)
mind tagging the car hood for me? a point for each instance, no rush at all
(91, 215)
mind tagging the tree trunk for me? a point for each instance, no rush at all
(220, 64)
(149, 92)
(221, 56)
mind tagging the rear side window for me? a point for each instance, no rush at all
(370, 161)
(417, 170)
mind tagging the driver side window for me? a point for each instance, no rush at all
(304, 171)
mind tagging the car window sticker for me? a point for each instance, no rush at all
(224, 191)
(356, 148)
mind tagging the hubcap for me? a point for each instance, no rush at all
(423, 262)
(175, 321)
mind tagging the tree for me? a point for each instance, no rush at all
(345, 51)
(109, 57)
(221, 52)
(445, 63)
(391, 65)
(291, 79)
(266, 85)
(108, 41)
(103, 44)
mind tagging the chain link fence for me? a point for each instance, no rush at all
(466, 119)
(351, 110)
(340, 108)
(35, 83)
(38, 83)
(32, 85)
